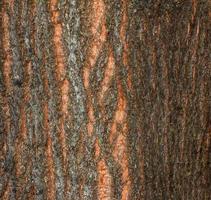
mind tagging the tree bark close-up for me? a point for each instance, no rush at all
(105, 99)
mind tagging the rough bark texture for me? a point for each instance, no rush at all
(105, 99)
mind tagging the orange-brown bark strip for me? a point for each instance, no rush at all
(104, 181)
(50, 176)
(99, 34)
(21, 141)
(6, 71)
(57, 39)
(60, 71)
(194, 6)
(90, 125)
(109, 73)
(104, 177)
(120, 150)
(51, 188)
(98, 31)
(120, 116)
(6, 193)
(60, 76)
(123, 29)
(7, 49)
(23, 119)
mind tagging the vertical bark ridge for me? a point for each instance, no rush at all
(24, 140)
(108, 75)
(98, 38)
(104, 177)
(14, 96)
(120, 145)
(6, 84)
(34, 107)
(79, 181)
(126, 193)
(136, 124)
(120, 121)
(123, 37)
(6, 47)
(98, 31)
(63, 82)
(43, 174)
(57, 39)
(51, 194)
(187, 163)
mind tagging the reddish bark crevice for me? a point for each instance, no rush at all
(99, 34)
(104, 177)
(123, 37)
(6, 194)
(6, 72)
(118, 138)
(7, 50)
(109, 73)
(51, 188)
(60, 70)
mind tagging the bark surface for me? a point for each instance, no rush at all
(105, 99)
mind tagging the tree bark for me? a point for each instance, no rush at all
(105, 99)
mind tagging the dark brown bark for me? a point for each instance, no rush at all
(105, 99)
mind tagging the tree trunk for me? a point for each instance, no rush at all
(105, 99)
